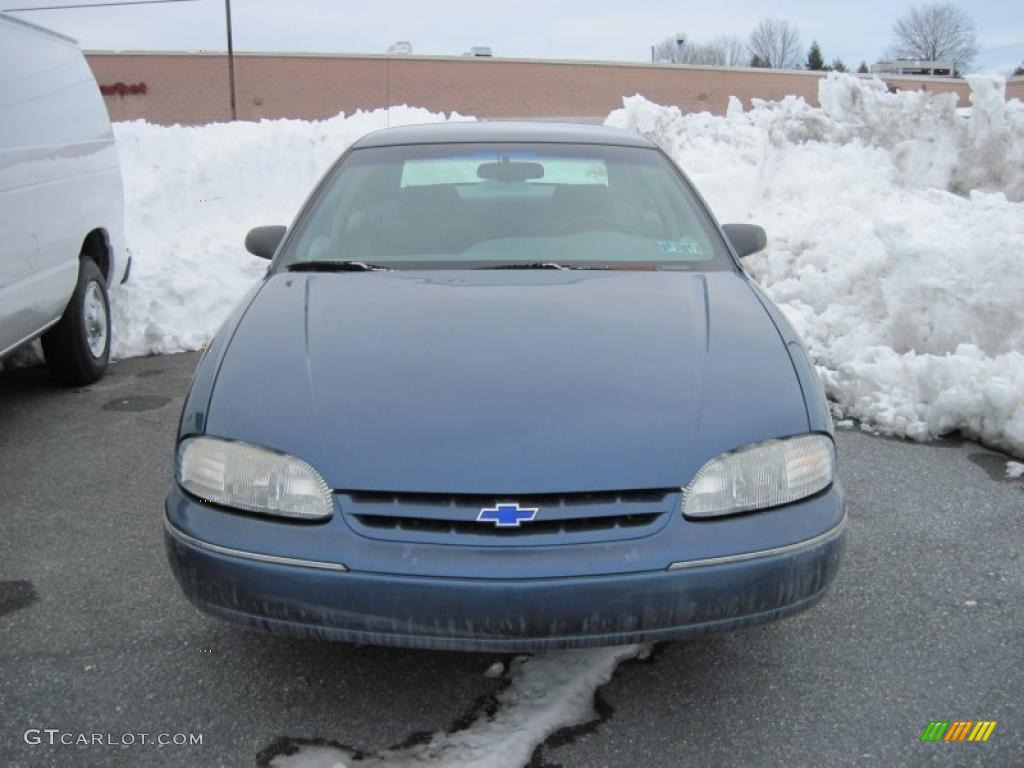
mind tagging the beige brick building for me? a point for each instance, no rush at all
(192, 88)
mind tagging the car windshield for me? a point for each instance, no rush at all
(488, 205)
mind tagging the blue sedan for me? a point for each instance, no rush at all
(504, 387)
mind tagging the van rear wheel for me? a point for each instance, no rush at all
(77, 348)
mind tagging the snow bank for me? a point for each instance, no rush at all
(191, 194)
(545, 692)
(896, 242)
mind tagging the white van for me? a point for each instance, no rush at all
(61, 203)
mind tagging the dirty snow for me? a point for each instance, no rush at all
(896, 242)
(1014, 469)
(895, 221)
(545, 692)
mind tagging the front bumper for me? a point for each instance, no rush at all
(288, 597)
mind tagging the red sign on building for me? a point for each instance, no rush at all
(120, 89)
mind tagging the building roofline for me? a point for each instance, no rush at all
(485, 60)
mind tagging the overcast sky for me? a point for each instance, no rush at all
(575, 29)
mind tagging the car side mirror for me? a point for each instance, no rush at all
(263, 241)
(745, 238)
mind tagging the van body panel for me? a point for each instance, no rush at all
(60, 178)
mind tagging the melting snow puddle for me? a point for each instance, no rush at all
(546, 692)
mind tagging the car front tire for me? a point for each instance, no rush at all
(77, 348)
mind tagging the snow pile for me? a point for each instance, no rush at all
(545, 693)
(192, 193)
(1014, 469)
(896, 242)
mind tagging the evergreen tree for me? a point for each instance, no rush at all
(1019, 71)
(863, 68)
(815, 60)
(757, 62)
(838, 66)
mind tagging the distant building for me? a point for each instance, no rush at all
(401, 48)
(480, 51)
(193, 88)
(914, 67)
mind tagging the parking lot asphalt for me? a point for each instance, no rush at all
(925, 622)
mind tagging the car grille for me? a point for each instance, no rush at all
(562, 518)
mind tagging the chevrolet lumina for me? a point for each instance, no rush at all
(504, 387)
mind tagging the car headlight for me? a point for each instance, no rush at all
(760, 476)
(255, 479)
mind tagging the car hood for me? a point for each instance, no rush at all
(498, 382)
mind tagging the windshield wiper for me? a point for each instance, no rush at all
(326, 265)
(534, 265)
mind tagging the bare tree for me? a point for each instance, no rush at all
(733, 50)
(937, 32)
(670, 49)
(776, 43)
(724, 51)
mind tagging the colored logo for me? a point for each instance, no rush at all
(507, 515)
(958, 730)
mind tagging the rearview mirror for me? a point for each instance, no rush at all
(510, 170)
(263, 241)
(745, 238)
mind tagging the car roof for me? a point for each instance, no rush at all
(502, 132)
